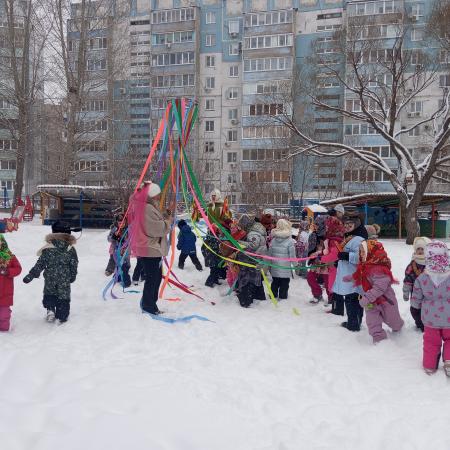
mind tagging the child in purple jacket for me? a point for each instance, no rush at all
(431, 294)
(374, 275)
(412, 271)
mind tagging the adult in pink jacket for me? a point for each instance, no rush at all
(149, 228)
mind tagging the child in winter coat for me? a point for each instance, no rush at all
(282, 246)
(318, 275)
(115, 239)
(334, 236)
(211, 259)
(186, 245)
(9, 268)
(59, 261)
(302, 245)
(374, 275)
(249, 281)
(431, 295)
(413, 270)
(344, 290)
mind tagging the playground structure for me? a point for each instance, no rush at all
(79, 206)
(21, 212)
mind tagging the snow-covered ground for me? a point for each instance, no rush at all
(257, 379)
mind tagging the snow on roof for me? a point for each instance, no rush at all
(43, 187)
(316, 208)
(378, 196)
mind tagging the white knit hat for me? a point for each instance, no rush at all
(284, 225)
(153, 189)
(339, 208)
(421, 242)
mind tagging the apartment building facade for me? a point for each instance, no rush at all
(241, 59)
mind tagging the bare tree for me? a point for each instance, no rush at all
(23, 38)
(439, 23)
(381, 86)
(85, 62)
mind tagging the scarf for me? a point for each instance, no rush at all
(377, 261)
(5, 253)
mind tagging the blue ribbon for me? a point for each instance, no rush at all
(179, 319)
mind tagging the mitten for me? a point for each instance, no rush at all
(343, 256)
(28, 279)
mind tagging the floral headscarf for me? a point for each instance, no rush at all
(437, 257)
(5, 252)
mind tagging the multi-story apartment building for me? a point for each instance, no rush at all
(241, 60)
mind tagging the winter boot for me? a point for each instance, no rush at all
(429, 371)
(199, 267)
(108, 273)
(50, 316)
(181, 266)
(447, 368)
(136, 283)
(316, 300)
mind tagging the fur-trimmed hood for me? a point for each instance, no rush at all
(281, 234)
(62, 241)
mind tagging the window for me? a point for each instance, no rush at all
(416, 57)
(416, 108)
(95, 105)
(232, 136)
(232, 178)
(209, 166)
(209, 104)
(91, 166)
(233, 93)
(444, 57)
(417, 10)
(335, 15)
(267, 64)
(96, 146)
(171, 59)
(268, 41)
(444, 81)
(8, 184)
(268, 18)
(261, 132)
(234, 71)
(174, 37)
(209, 147)
(173, 80)
(328, 27)
(210, 61)
(209, 126)
(231, 157)
(233, 27)
(210, 82)
(414, 132)
(233, 49)
(210, 17)
(265, 109)
(210, 40)
(232, 114)
(173, 15)
(8, 165)
(96, 64)
(98, 43)
(417, 34)
(353, 105)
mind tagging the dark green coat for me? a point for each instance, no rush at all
(59, 261)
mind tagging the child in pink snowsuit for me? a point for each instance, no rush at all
(374, 275)
(431, 294)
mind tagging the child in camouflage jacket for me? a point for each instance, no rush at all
(59, 261)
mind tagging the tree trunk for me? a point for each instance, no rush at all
(411, 223)
(21, 153)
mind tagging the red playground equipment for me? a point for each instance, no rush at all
(22, 211)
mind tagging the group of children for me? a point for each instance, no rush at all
(339, 255)
(345, 266)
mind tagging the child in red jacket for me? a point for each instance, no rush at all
(9, 268)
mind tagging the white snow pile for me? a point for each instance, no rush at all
(259, 379)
